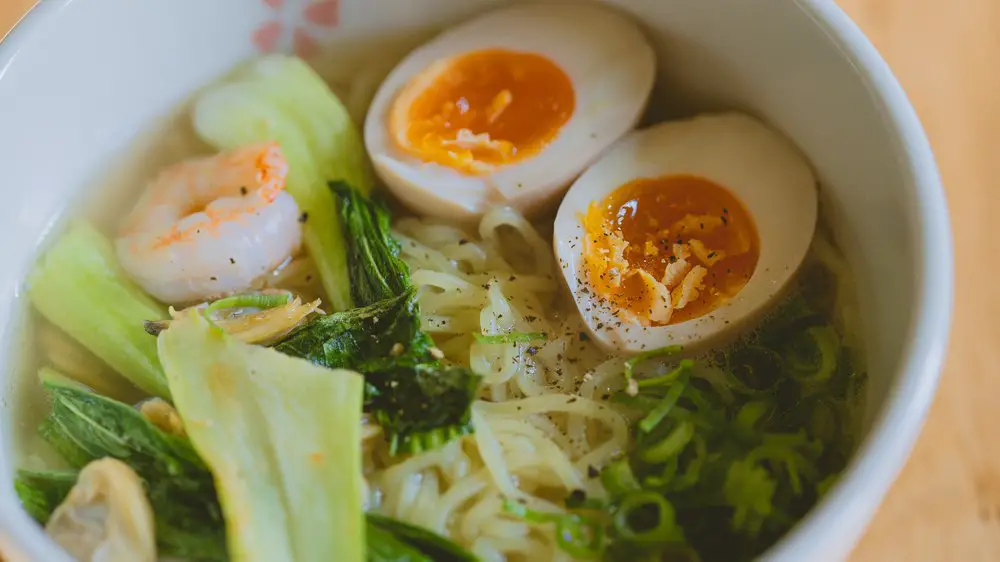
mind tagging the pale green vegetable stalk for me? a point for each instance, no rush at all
(281, 437)
(301, 93)
(281, 99)
(79, 286)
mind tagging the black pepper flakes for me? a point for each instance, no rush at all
(584, 336)
(303, 217)
(243, 190)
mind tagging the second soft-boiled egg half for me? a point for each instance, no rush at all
(685, 231)
(508, 108)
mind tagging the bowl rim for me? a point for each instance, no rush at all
(880, 457)
(867, 478)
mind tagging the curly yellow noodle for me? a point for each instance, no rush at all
(542, 422)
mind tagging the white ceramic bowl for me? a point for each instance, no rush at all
(78, 80)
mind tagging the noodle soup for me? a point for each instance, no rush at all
(256, 338)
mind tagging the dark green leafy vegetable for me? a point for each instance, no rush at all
(420, 403)
(180, 533)
(189, 523)
(42, 492)
(83, 426)
(383, 546)
(349, 339)
(181, 530)
(431, 545)
(376, 270)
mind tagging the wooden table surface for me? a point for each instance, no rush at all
(946, 53)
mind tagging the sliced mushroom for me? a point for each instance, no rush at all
(106, 517)
(253, 325)
(160, 413)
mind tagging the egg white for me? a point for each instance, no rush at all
(606, 57)
(763, 169)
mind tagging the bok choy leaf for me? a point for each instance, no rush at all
(377, 271)
(281, 437)
(189, 523)
(79, 286)
(420, 403)
(280, 98)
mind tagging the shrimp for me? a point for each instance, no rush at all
(211, 226)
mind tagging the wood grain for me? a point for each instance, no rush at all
(946, 503)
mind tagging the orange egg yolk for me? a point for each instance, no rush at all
(482, 109)
(661, 251)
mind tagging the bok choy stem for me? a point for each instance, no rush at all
(79, 286)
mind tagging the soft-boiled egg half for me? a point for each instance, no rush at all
(508, 108)
(685, 232)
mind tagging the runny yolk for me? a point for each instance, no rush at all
(665, 250)
(482, 109)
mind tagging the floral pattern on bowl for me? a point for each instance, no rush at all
(295, 25)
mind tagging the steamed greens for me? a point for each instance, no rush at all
(189, 522)
(281, 99)
(79, 286)
(420, 403)
(83, 426)
(738, 446)
(281, 437)
(377, 272)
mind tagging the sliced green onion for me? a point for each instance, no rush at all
(750, 414)
(817, 363)
(618, 478)
(635, 508)
(647, 355)
(662, 480)
(654, 417)
(578, 536)
(639, 402)
(250, 300)
(522, 511)
(671, 445)
(795, 451)
(684, 366)
(510, 337)
(692, 473)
